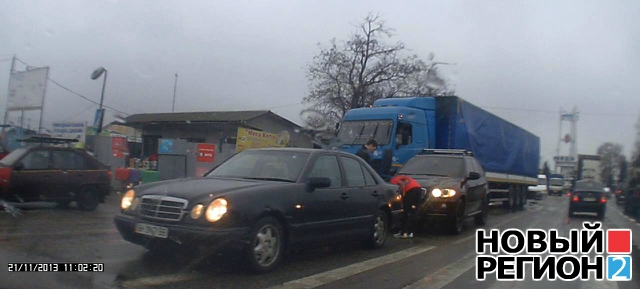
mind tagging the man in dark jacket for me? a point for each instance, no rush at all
(367, 149)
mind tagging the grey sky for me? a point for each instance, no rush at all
(536, 56)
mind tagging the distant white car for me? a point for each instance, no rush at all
(539, 191)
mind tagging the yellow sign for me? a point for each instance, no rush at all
(252, 139)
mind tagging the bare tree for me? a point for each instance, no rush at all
(612, 157)
(356, 72)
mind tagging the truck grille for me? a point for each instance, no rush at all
(162, 207)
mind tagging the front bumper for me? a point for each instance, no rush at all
(181, 234)
(438, 207)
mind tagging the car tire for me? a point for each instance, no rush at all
(378, 236)
(481, 219)
(266, 246)
(88, 199)
(456, 223)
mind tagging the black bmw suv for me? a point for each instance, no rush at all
(456, 187)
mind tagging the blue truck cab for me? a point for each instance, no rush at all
(402, 127)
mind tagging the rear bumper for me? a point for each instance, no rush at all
(587, 207)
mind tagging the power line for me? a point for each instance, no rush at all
(80, 95)
(286, 105)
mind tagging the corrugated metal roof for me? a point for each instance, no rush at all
(206, 116)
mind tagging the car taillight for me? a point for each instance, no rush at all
(603, 200)
(569, 194)
(575, 197)
(619, 192)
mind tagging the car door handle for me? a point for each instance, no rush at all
(375, 194)
(344, 196)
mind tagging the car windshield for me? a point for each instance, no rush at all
(11, 158)
(359, 132)
(263, 165)
(434, 166)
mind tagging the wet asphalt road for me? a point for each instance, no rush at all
(433, 259)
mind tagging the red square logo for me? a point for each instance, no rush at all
(619, 241)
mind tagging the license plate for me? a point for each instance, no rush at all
(151, 230)
(589, 199)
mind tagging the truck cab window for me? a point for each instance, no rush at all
(404, 134)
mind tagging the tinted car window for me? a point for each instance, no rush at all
(353, 171)
(327, 167)
(435, 166)
(368, 177)
(263, 164)
(67, 160)
(36, 160)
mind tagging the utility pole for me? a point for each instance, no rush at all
(6, 109)
(175, 86)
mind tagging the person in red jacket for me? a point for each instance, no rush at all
(411, 195)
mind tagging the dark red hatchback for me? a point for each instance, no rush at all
(54, 174)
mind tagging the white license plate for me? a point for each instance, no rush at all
(151, 230)
(589, 199)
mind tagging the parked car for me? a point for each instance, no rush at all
(456, 187)
(263, 202)
(632, 202)
(620, 193)
(588, 196)
(539, 191)
(54, 174)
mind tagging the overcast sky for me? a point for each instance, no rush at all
(521, 60)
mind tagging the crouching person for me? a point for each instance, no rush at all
(411, 194)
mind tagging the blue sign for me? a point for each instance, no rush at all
(619, 268)
(166, 146)
(97, 121)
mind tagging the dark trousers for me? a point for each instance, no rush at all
(410, 204)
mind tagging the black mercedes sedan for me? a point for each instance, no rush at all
(588, 196)
(263, 202)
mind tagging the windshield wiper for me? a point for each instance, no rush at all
(269, 179)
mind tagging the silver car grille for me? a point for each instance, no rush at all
(162, 207)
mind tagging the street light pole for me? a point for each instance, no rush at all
(100, 114)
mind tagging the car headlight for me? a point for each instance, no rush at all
(196, 212)
(216, 209)
(444, 193)
(127, 200)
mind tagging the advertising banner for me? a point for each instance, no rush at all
(206, 153)
(251, 139)
(26, 89)
(119, 146)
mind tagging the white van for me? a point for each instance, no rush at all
(538, 191)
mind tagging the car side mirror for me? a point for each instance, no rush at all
(19, 166)
(319, 182)
(474, 175)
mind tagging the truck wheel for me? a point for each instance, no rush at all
(481, 219)
(523, 197)
(266, 245)
(457, 221)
